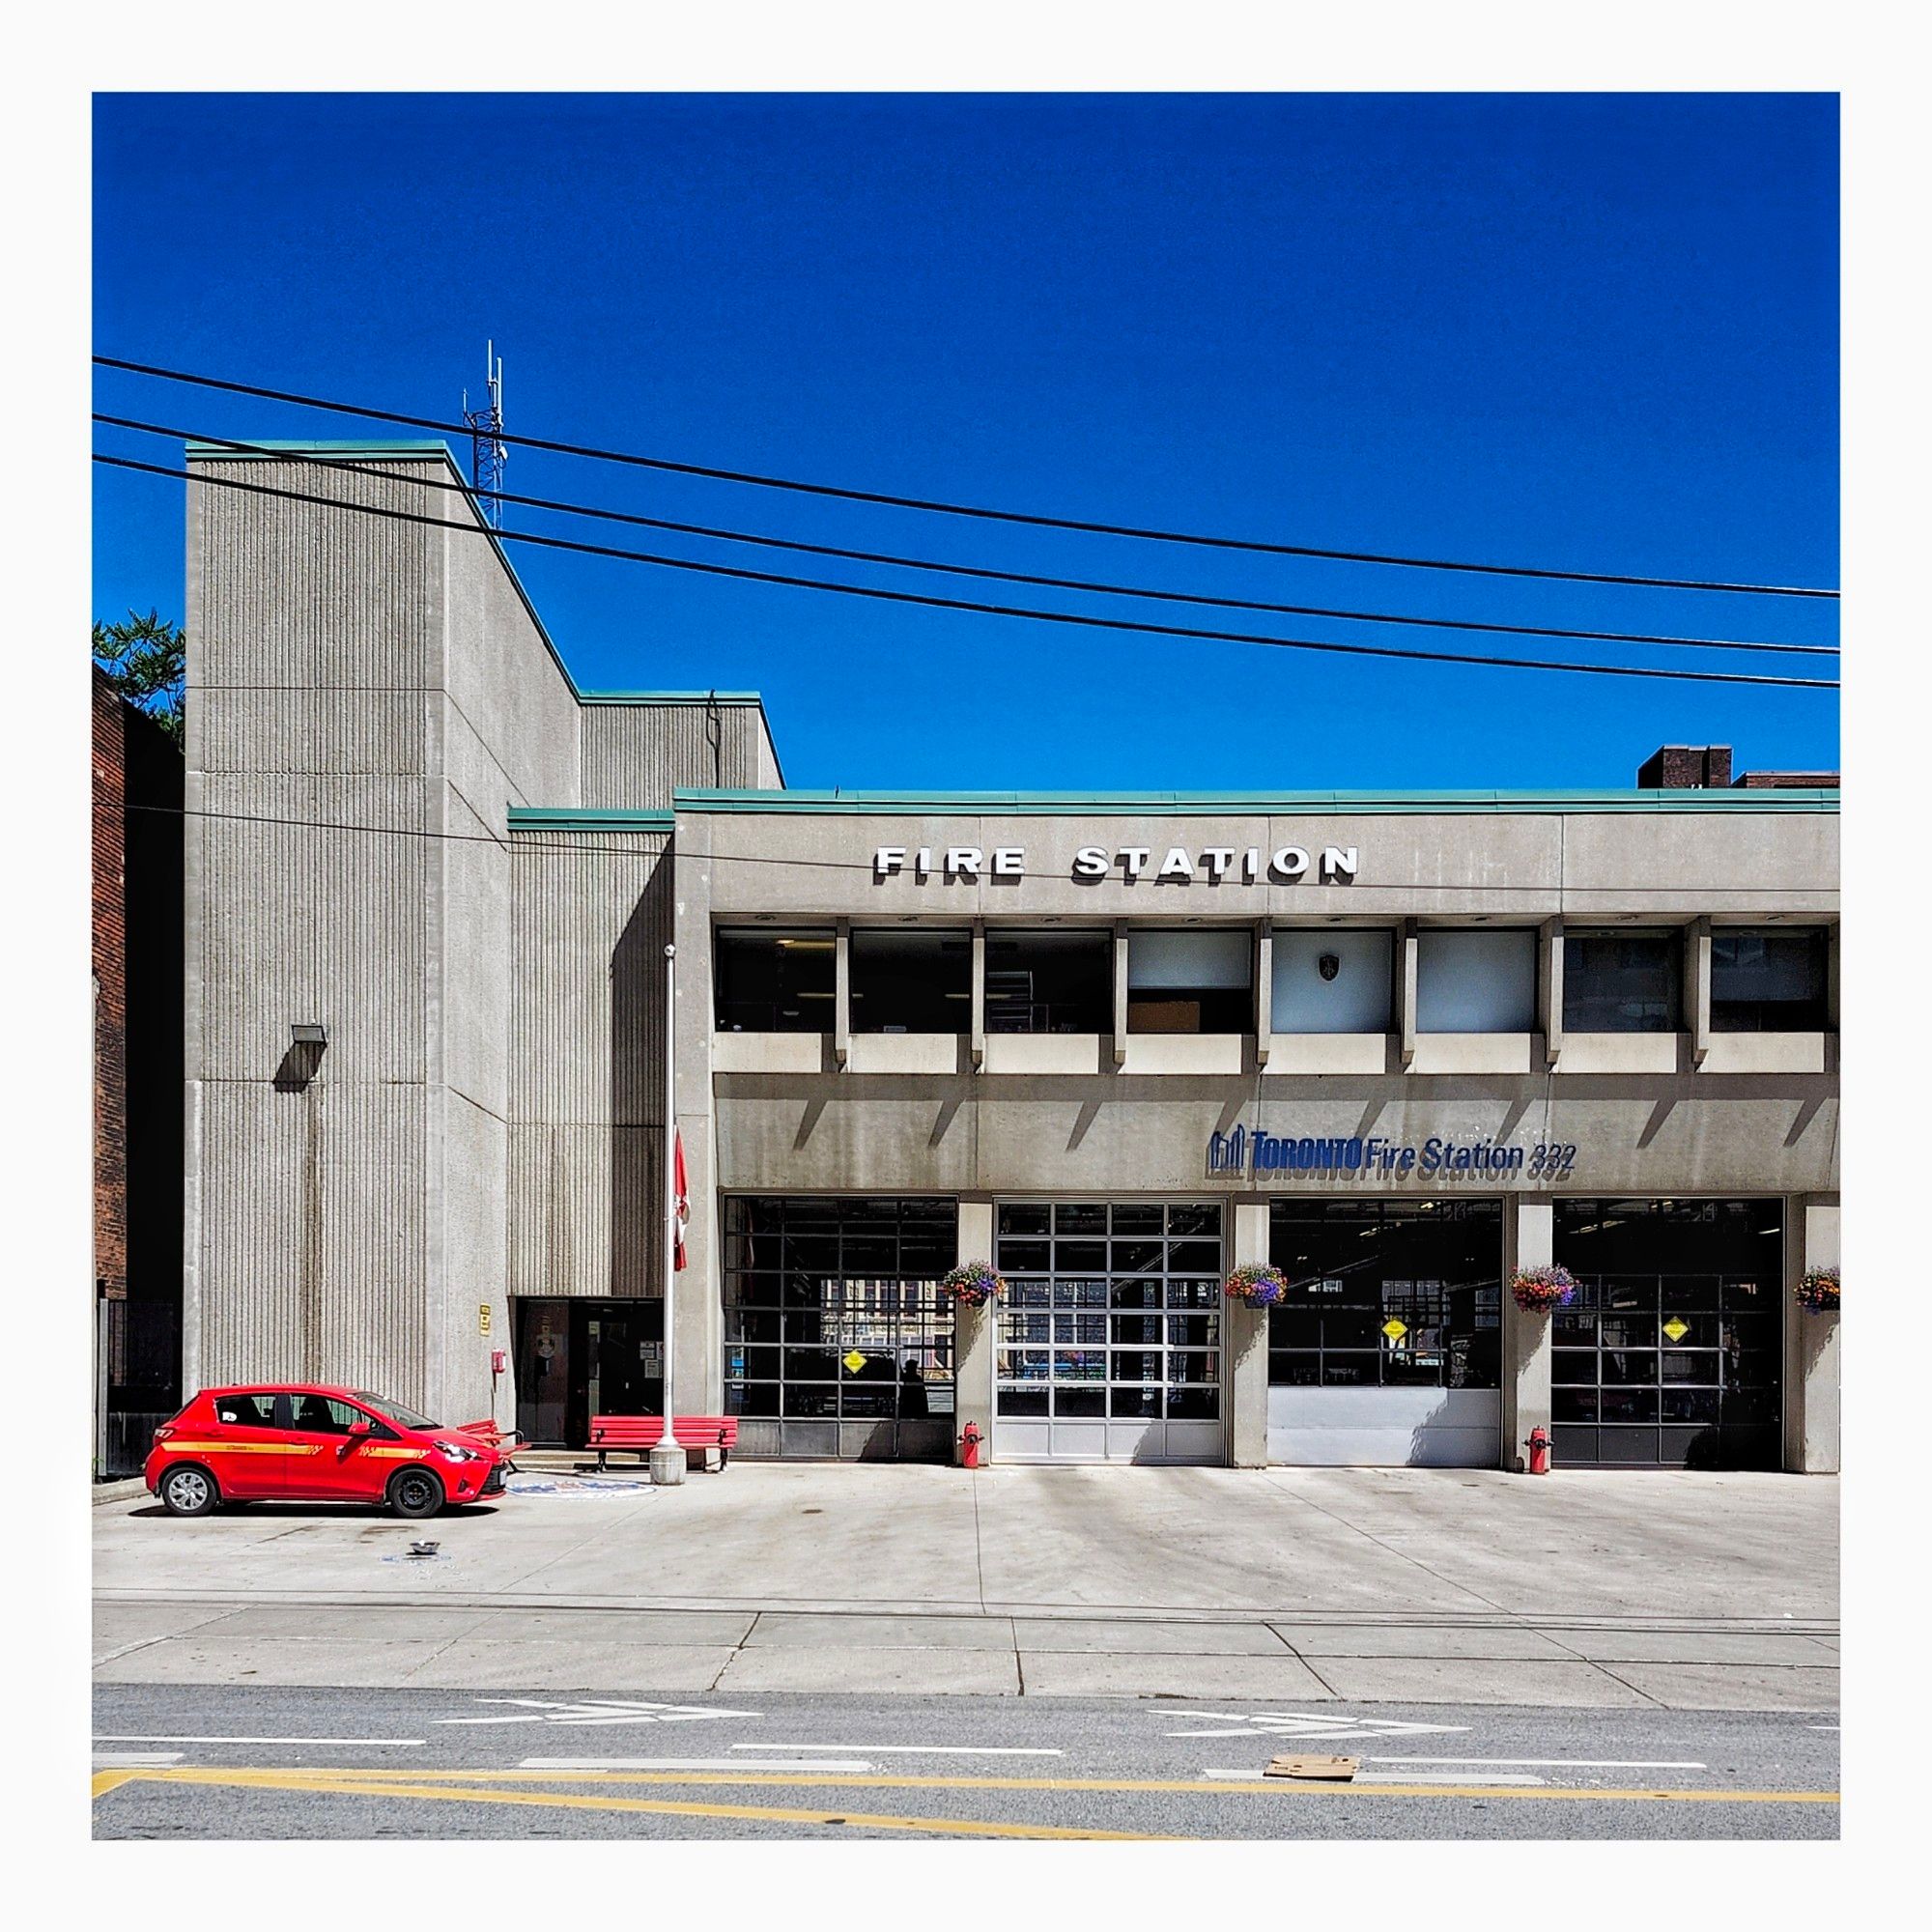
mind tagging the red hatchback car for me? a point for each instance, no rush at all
(306, 1442)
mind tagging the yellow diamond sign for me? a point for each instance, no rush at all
(853, 1360)
(1676, 1329)
(1395, 1330)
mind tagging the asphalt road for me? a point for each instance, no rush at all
(228, 1761)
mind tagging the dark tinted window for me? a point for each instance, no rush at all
(1768, 981)
(912, 981)
(1049, 982)
(246, 1412)
(1387, 1294)
(774, 982)
(1625, 981)
(1180, 982)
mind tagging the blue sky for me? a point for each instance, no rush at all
(1589, 332)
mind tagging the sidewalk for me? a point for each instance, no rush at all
(1593, 1588)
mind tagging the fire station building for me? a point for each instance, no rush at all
(1398, 1045)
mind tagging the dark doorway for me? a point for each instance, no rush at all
(575, 1359)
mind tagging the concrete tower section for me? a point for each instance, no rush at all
(368, 697)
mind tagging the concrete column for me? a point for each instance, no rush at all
(978, 1019)
(1244, 1359)
(1832, 977)
(1264, 990)
(842, 994)
(1697, 987)
(1550, 990)
(1811, 1341)
(1404, 987)
(1528, 1237)
(975, 1334)
(1120, 992)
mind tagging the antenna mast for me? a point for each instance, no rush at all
(488, 455)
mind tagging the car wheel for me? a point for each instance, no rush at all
(187, 1489)
(416, 1493)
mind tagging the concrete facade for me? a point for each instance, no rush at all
(368, 700)
(418, 833)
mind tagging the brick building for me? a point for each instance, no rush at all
(138, 1074)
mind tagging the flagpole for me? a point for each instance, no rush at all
(667, 1458)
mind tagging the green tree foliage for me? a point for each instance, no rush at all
(146, 661)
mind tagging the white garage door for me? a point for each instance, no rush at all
(1110, 1339)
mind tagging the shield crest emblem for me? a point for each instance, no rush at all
(1329, 965)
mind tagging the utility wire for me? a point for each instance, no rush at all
(981, 512)
(518, 840)
(879, 594)
(390, 475)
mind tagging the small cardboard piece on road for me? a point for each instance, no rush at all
(1330, 1770)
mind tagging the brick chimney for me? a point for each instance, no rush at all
(1685, 768)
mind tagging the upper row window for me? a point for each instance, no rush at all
(1334, 979)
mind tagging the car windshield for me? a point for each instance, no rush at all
(396, 1411)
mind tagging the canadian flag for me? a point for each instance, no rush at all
(680, 1206)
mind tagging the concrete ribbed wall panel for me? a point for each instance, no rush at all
(366, 903)
(636, 755)
(258, 958)
(584, 1207)
(589, 931)
(300, 594)
(474, 1267)
(501, 674)
(256, 1240)
(370, 1325)
(251, 730)
(476, 957)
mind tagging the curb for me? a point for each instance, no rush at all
(121, 1489)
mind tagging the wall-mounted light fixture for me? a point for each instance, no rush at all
(309, 1034)
(303, 1062)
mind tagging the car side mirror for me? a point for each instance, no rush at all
(359, 1428)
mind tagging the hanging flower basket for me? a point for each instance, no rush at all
(1257, 1284)
(973, 1284)
(1818, 1290)
(1539, 1290)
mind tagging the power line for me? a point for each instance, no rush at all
(902, 562)
(514, 840)
(939, 507)
(878, 594)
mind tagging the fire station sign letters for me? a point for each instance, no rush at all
(1178, 865)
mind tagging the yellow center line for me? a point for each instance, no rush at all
(105, 1782)
(342, 1784)
(323, 1777)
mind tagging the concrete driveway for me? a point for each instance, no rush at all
(1683, 1589)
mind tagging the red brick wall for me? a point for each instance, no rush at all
(110, 981)
(1685, 767)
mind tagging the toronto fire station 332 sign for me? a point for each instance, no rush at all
(1261, 1155)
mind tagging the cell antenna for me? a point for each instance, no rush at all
(488, 454)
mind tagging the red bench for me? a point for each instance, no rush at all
(643, 1432)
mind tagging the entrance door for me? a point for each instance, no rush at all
(1678, 1363)
(1110, 1342)
(575, 1359)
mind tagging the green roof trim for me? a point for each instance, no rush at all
(260, 446)
(736, 697)
(586, 818)
(1210, 804)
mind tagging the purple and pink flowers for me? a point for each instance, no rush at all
(973, 1284)
(1257, 1284)
(1818, 1290)
(1539, 1290)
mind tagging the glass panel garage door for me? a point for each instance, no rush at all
(1671, 1352)
(1109, 1341)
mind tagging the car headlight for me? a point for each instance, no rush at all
(460, 1452)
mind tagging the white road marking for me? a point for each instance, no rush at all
(1560, 1763)
(1821, 1728)
(1304, 1725)
(171, 1739)
(1371, 1777)
(133, 1760)
(920, 1751)
(596, 1711)
(692, 1764)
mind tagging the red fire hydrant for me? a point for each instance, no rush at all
(969, 1446)
(1539, 1452)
